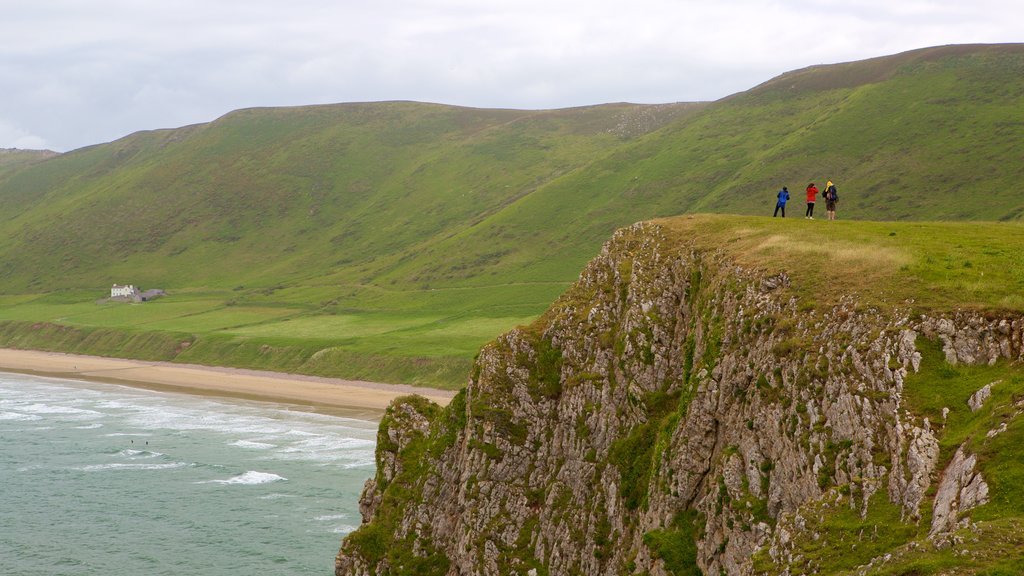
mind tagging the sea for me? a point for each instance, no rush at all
(113, 480)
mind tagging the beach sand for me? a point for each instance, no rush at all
(351, 397)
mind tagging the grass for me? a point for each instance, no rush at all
(917, 266)
(676, 545)
(941, 386)
(993, 544)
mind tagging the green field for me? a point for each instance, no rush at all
(409, 337)
(430, 336)
(390, 240)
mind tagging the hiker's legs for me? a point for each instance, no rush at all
(810, 209)
(776, 213)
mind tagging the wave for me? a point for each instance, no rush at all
(131, 466)
(50, 409)
(137, 454)
(250, 478)
(329, 449)
(251, 444)
(331, 517)
(275, 496)
(19, 417)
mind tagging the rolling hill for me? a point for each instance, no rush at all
(390, 240)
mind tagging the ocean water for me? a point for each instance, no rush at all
(111, 480)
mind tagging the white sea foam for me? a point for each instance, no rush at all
(251, 444)
(344, 529)
(250, 478)
(52, 410)
(233, 420)
(329, 449)
(276, 496)
(138, 454)
(331, 517)
(92, 426)
(131, 466)
(19, 417)
(366, 460)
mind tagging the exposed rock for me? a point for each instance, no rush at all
(667, 387)
(922, 457)
(960, 489)
(977, 400)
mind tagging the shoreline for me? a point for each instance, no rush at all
(353, 398)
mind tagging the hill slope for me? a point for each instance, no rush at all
(265, 195)
(422, 230)
(13, 159)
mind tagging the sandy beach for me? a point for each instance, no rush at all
(356, 396)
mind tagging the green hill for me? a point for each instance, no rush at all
(13, 159)
(390, 240)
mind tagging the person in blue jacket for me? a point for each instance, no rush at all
(781, 204)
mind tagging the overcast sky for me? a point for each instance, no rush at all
(81, 72)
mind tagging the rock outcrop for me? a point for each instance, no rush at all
(961, 488)
(673, 410)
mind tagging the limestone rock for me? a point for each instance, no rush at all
(978, 399)
(668, 386)
(960, 489)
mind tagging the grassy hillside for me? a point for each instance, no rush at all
(895, 150)
(13, 159)
(406, 235)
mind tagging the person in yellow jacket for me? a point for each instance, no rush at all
(831, 197)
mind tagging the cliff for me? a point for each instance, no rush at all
(694, 407)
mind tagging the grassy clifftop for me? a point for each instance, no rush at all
(927, 266)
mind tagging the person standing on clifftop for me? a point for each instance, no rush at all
(812, 195)
(781, 204)
(831, 197)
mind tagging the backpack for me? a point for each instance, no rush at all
(831, 193)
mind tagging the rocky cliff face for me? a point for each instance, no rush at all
(674, 412)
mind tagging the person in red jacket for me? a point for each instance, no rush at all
(812, 194)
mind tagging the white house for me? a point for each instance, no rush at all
(128, 291)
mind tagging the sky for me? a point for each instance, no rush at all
(80, 72)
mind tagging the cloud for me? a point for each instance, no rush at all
(13, 137)
(77, 73)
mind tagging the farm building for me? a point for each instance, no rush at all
(129, 291)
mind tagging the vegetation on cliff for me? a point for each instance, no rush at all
(735, 396)
(391, 240)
